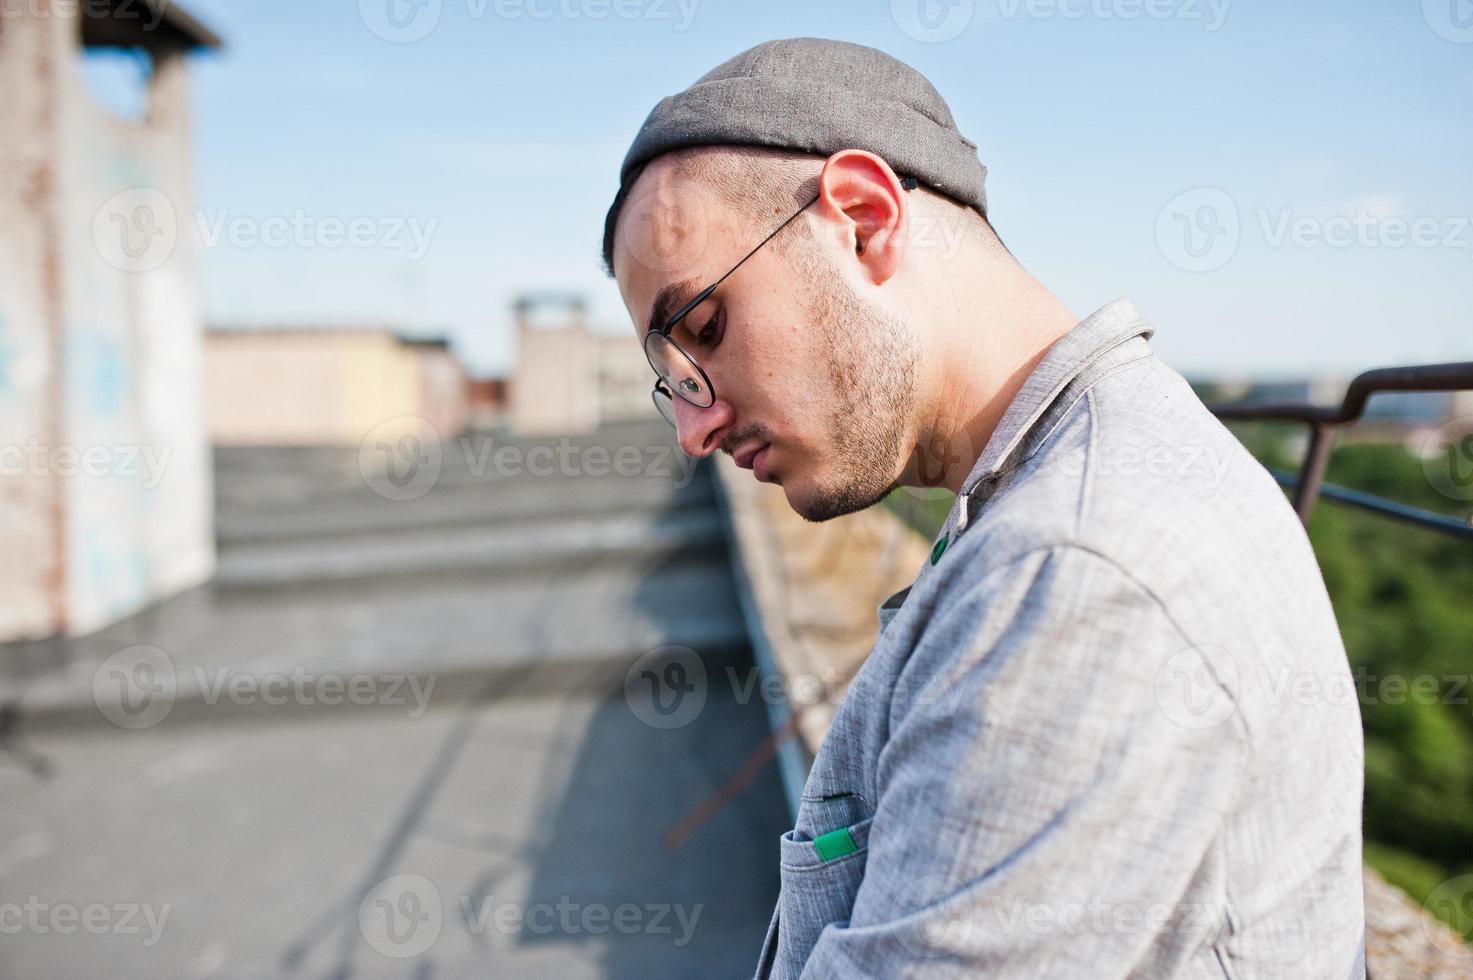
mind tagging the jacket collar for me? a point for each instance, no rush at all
(1091, 339)
(1088, 342)
(1065, 363)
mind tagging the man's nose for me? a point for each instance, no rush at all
(698, 430)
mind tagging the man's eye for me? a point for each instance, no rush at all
(710, 334)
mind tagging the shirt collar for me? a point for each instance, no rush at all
(1091, 339)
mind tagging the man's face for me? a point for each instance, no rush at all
(814, 385)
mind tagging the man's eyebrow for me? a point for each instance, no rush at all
(670, 298)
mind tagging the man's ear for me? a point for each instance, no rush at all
(869, 214)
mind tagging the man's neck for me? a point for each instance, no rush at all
(983, 353)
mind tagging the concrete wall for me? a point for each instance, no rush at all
(106, 479)
(327, 388)
(31, 535)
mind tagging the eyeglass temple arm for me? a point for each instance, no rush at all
(908, 183)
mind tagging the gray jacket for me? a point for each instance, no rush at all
(1110, 731)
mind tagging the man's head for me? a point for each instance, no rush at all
(816, 346)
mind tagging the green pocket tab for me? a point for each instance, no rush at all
(835, 844)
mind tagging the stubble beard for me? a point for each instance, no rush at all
(872, 362)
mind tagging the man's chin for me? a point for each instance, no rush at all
(818, 505)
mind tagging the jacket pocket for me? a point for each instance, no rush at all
(815, 893)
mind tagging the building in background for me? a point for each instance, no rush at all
(313, 387)
(553, 388)
(569, 378)
(488, 402)
(444, 386)
(624, 378)
(104, 470)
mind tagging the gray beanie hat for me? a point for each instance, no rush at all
(814, 96)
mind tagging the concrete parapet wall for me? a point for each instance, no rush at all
(815, 588)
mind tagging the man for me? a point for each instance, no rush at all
(1074, 750)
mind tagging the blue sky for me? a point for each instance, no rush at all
(499, 133)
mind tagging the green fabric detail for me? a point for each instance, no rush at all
(940, 547)
(835, 844)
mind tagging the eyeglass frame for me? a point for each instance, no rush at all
(660, 388)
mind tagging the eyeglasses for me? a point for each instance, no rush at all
(677, 372)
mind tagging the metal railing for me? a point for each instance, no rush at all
(1325, 421)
